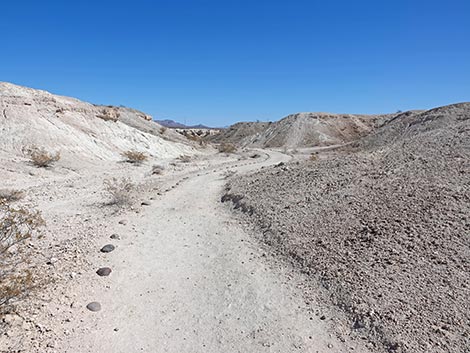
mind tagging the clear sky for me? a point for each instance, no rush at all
(221, 61)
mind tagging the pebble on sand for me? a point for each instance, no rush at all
(94, 306)
(115, 236)
(103, 271)
(107, 248)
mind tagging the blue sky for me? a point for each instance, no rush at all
(221, 61)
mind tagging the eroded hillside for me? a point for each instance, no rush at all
(383, 229)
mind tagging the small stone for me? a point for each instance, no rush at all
(107, 248)
(323, 317)
(94, 306)
(145, 203)
(123, 221)
(330, 345)
(103, 271)
(115, 236)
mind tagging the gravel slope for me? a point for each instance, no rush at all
(385, 230)
(301, 130)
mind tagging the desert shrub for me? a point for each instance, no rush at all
(184, 158)
(40, 157)
(163, 130)
(17, 225)
(227, 148)
(119, 191)
(109, 114)
(10, 195)
(313, 157)
(193, 137)
(157, 169)
(134, 157)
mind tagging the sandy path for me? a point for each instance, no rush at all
(187, 278)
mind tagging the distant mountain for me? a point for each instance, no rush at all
(176, 125)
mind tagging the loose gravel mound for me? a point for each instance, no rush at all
(241, 134)
(384, 230)
(301, 130)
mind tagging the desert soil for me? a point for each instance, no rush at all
(186, 276)
(383, 229)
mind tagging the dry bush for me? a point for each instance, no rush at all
(109, 114)
(227, 148)
(40, 157)
(184, 158)
(17, 225)
(163, 130)
(120, 191)
(157, 169)
(313, 157)
(11, 195)
(134, 157)
(192, 137)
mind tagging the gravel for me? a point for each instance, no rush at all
(382, 229)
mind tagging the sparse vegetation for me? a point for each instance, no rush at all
(313, 157)
(17, 225)
(157, 169)
(109, 114)
(184, 158)
(227, 148)
(163, 130)
(10, 195)
(40, 157)
(191, 136)
(134, 157)
(120, 191)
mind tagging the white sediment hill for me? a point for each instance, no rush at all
(79, 129)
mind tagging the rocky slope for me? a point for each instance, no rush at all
(382, 229)
(78, 129)
(301, 130)
(240, 134)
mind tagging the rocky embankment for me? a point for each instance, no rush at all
(382, 229)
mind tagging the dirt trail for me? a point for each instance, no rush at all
(191, 280)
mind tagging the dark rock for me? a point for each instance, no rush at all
(123, 222)
(107, 248)
(94, 306)
(103, 271)
(146, 203)
(115, 237)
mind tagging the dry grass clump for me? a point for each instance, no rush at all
(40, 157)
(134, 157)
(120, 191)
(157, 169)
(184, 158)
(313, 157)
(109, 114)
(11, 195)
(227, 148)
(17, 225)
